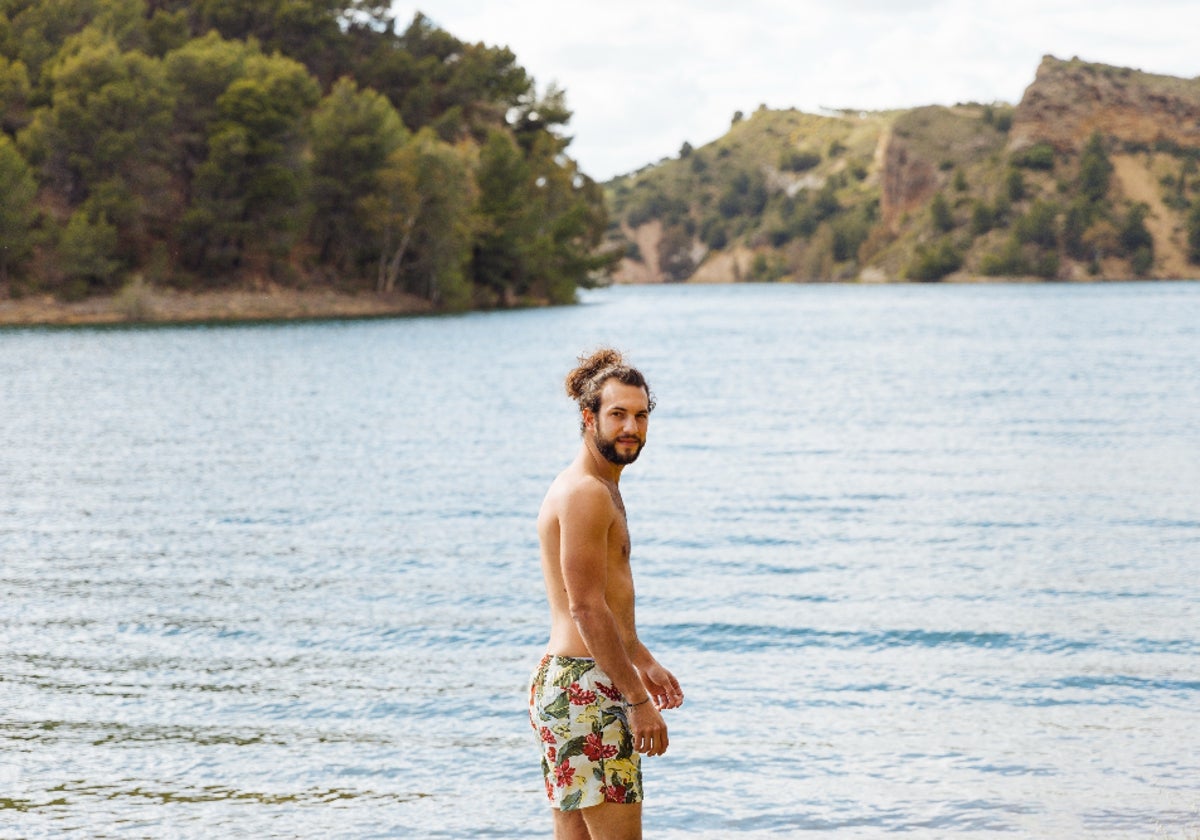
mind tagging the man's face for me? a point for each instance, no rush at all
(619, 428)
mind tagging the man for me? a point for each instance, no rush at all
(596, 697)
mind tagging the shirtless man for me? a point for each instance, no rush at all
(596, 697)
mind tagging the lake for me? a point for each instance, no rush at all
(924, 559)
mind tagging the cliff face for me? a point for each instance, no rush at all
(1071, 100)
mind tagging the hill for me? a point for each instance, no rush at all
(1093, 175)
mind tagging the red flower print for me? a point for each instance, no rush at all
(609, 691)
(552, 754)
(595, 748)
(563, 774)
(614, 793)
(547, 735)
(580, 697)
(549, 789)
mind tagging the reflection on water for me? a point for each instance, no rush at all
(922, 557)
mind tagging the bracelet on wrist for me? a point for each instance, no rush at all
(639, 703)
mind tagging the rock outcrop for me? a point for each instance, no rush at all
(1071, 100)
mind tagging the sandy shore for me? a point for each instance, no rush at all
(166, 306)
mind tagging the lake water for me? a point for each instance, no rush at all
(924, 559)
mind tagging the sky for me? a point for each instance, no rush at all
(644, 76)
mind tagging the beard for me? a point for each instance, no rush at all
(608, 448)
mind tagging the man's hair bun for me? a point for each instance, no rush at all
(585, 382)
(580, 379)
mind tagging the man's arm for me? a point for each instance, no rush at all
(584, 523)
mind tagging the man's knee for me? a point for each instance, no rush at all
(614, 821)
(569, 825)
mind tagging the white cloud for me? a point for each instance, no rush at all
(642, 77)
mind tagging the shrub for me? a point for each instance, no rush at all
(1007, 262)
(1038, 156)
(939, 209)
(797, 161)
(934, 263)
(1193, 234)
(1014, 185)
(983, 218)
(1142, 261)
(1134, 235)
(1095, 170)
(1039, 226)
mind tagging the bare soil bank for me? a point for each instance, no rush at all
(147, 305)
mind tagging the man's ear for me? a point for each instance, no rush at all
(589, 418)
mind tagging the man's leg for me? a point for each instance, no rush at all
(614, 821)
(569, 825)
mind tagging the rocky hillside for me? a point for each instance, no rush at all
(1093, 175)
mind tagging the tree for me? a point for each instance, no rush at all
(943, 218)
(1095, 170)
(248, 205)
(104, 139)
(1193, 234)
(1039, 226)
(353, 132)
(934, 262)
(14, 94)
(86, 254)
(17, 212)
(504, 178)
(421, 216)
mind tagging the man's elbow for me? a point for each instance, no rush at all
(585, 613)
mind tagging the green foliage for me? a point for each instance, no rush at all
(983, 218)
(238, 138)
(1039, 226)
(1193, 234)
(353, 133)
(1038, 156)
(1133, 233)
(17, 213)
(1009, 261)
(746, 195)
(793, 160)
(1014, 186)
(943, 217)
(934, 263)
(418, 211)
(14, 95)
(850, 231)
(246, 193)
(767, 268)
(1095, 170)
(86, 254)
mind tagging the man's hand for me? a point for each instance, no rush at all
(648, 728)
(662, 686)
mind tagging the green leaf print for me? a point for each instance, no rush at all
(572, 747)
(626, 749)
(560, 708)
(571, 801)
(572, 672)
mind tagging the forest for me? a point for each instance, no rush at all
(211, 144)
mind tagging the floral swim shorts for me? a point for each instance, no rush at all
(587, 749)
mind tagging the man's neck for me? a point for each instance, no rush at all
(599, 465)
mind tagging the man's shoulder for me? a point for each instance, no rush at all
(574, 489)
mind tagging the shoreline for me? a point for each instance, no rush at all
(148, 306)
